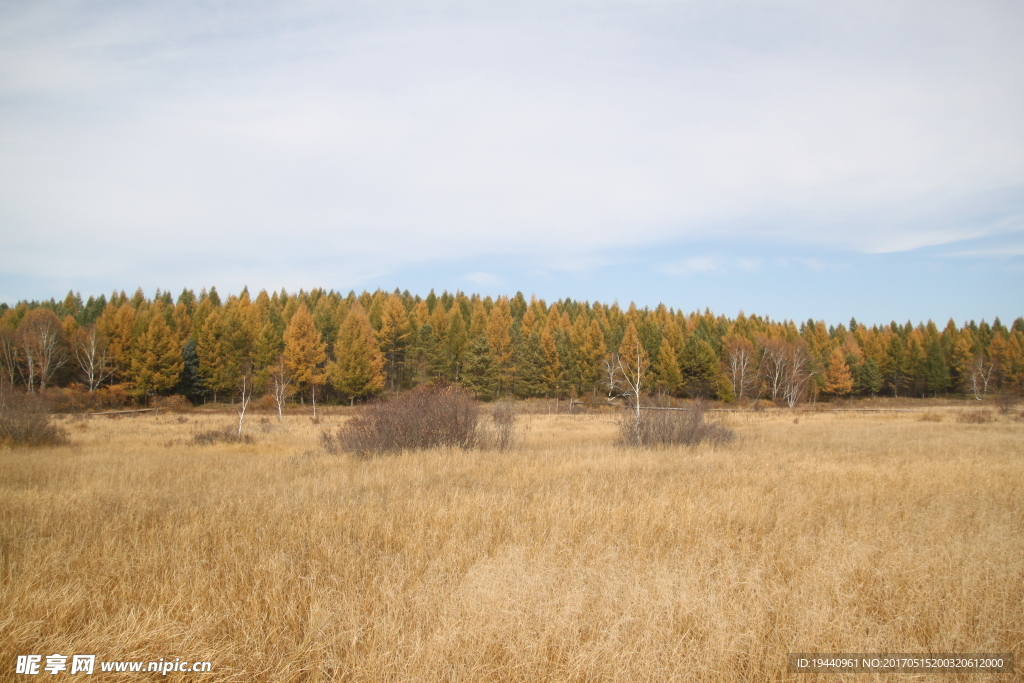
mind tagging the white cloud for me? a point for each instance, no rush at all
(483, 279)
(386, 135)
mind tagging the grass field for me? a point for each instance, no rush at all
(567, 559)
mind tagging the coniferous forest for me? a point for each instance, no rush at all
(323, 346)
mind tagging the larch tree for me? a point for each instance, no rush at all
(500, 344)
(838, 377)
(157, 359)
(117, 323)
(358, 371)
(668, 377)
(305, 352)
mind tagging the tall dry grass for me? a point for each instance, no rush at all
(567, 559)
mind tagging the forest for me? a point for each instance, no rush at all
(323, 346)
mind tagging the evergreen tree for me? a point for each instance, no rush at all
(190, 382)
(868, 377)
(529, 361)
(456, 343)
(895, 369)
(393, 335)
(936, 372)
(551, 376)
(478, 373)
(699, 366)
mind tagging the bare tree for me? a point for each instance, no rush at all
(10, 356)
(798, 373)
(42, 339)
(90, 351)
(280, 385)
(979, 374)
(633, 368)
(773, 364)
(739, 364)
(610, 371)
(245, 383)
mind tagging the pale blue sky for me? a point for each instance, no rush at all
(789, 158)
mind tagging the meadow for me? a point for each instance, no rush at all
(564, 559)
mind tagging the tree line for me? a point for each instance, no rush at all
(325, 346)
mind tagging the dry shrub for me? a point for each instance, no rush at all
(426, 417)
(25, 421)
(209, 437)
(172, 404)
(113, 397)
(930, 417)
(71, 399)
(1005, 402)
(503, 422)
(976, 417)
(686, 427)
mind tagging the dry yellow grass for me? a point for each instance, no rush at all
(566, 560)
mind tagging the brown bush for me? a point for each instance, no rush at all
(172, 404)
(71, 399)
(975, 417)
(209, 437)
(503, 422)
(113, 397)
(426, 417)
(686, 427)
(1005, 402)
(25, 420)
(267, 402)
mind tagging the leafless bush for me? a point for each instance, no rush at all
(209, 437)
(503, 426)
(427, 417)
(687, 427)
(25, 420)
(975, 417)
(1005, 402)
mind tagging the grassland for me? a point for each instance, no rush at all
(567, 559)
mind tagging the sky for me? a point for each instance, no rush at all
(790, 158)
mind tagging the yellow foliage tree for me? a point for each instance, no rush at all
(305, 352)
(838, 378)
(358, 371)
